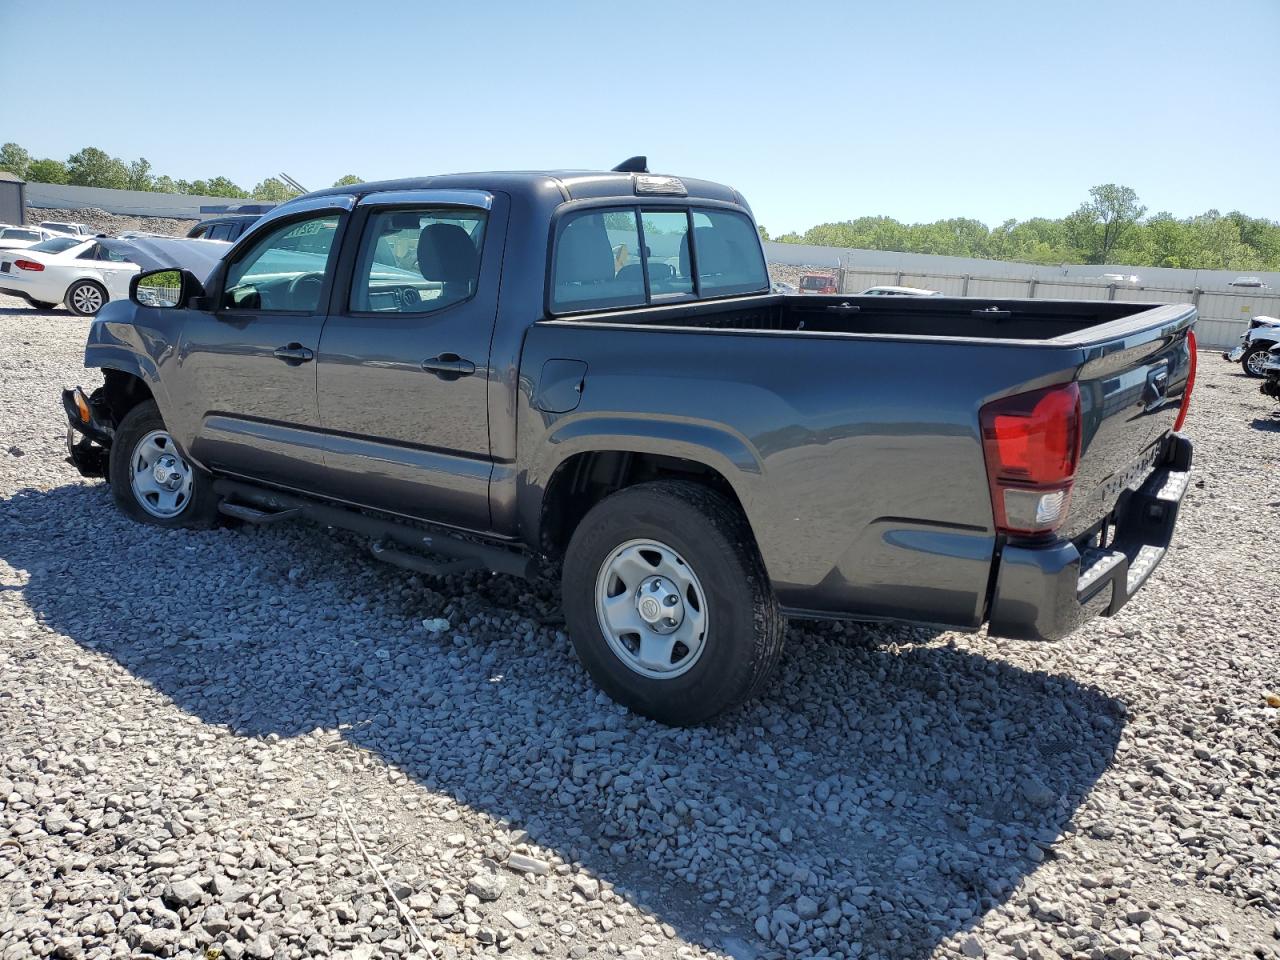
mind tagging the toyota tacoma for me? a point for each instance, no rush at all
(589, 369)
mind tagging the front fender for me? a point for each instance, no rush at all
(119, 341)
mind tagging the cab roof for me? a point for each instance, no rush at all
(569, 184)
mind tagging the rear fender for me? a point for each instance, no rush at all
(720, 450)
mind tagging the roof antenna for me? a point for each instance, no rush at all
(633, 165)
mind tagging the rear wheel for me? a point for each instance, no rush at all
(151, 479)
(86, 297)
(668, 603)
(1254, 359)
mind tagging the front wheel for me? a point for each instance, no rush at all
(151, 479)
(668, 603)
(85, 298)
(1255, 359)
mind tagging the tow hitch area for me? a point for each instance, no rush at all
(88, 436)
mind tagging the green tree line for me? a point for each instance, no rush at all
(1112, 226)
(92, 167)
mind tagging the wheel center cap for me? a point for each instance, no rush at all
(165, 473)
(659, 605)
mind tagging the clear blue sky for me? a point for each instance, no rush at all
(918, 109)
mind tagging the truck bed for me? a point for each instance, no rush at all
(1035, 320)
(852, 434)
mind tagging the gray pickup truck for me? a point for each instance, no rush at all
(501, 370)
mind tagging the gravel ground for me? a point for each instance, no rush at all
(189, 719)
(103, 222)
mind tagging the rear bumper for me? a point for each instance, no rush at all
(1046, 592)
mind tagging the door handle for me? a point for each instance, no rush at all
(293, 354)
(449, 366)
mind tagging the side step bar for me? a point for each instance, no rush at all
(418, 564)
(254, 515)
(270, 506)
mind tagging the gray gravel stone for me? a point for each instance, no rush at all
(183, 712)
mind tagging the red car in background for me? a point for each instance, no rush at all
(814, 283)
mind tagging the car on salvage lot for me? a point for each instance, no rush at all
(20, 238)
(81, 230)
(82, 274)
(891, 291)
(500, 371)
(1255, 345)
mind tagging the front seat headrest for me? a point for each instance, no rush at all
(447, 254)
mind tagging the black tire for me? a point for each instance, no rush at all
(80, 297)
(1255, 354)
(200, 510)
(743, 642)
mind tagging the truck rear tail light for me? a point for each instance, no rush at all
(1191, 382)
(28, 265)
(1032, 445)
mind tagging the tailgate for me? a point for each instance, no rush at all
(1132, 384)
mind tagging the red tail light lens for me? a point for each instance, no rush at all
(1032, 446)
(1191, 382)
(28, 265)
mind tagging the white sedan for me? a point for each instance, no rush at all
(18, 238)
(899, 292)
(83, 274)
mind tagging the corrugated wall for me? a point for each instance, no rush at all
(134, 203)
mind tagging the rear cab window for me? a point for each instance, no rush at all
(631, 256)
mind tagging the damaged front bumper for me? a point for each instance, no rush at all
(1234, 354)
(89, 432)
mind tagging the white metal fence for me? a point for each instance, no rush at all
(1218, 325)
(1225, 309)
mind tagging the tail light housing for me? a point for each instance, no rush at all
(28, 265)
(1191, 382)
(1032, 446)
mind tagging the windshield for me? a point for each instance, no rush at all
(56, 245)
(19, 235)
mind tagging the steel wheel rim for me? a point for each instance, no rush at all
(1257, 361)
(87, 298)
(160, 478)
(642, 587)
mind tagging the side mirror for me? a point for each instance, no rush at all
(165, 289)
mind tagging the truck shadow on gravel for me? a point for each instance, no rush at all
(890, 789)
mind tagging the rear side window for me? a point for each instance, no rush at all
(603, 258)
(415, 261)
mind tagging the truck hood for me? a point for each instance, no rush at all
(161, 253)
